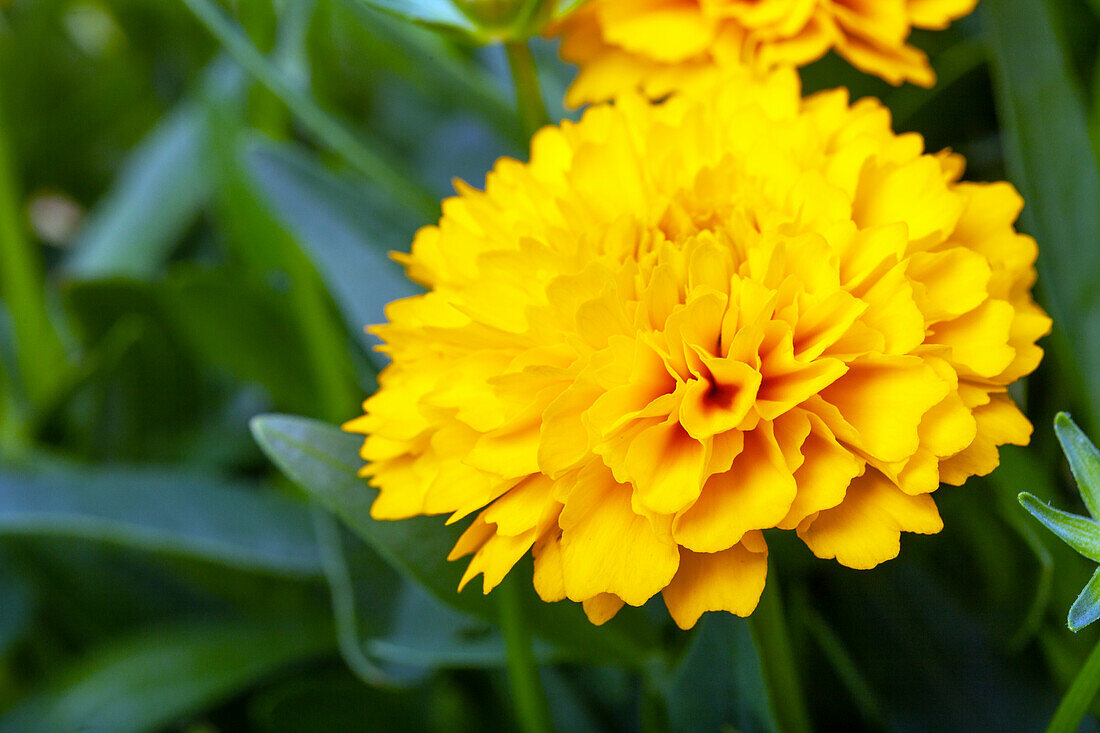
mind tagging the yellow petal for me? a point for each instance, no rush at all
(496, 557)
(527, 505)
(607, 548)
(1030, 324)
(667, 30)
(665, 465)
(731, 580)
(788, 382)
(401, 489)
(602, 608)
(999, 422)
(823, 477)
(949, 427)
(755, 494)
(979, 340)
(510, 452)
(549, 579)
(914, 193)
(563, 439)
(473, 539)
(719, 403)
(884, 398)
(866, 528)
(950, 283)
(825, 324)
(892, 311)
(937, 14)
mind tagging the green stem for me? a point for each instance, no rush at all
(40, 354)
(326, 130)
(523, 671)
(1074, 706)
(773, 645)
(529, 103)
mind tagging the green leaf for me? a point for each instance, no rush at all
(1051, 160)
(16, 600)
(1086, 608)
(428, 12)
(148, 680)
(1080, 533)
(391, 630)
(1079, 698)
(719, 683)
(565, 7)
(326, 701)
(261, 343)
(40, 355)
(1084, 460)
(323, 461)
(376, 164)
(427, 633)
(174, 512)
(278, 264)
(843, 666)
(343, 232)
(148, 383)
(158, 194)
(429, 62)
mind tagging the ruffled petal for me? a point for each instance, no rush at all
(607, 548)
(865, 529)
(731, 580)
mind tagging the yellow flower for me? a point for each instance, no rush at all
(682, 324)
(661, 45)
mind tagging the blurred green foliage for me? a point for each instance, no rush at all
(186, 244)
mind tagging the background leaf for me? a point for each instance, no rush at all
(1084, 460)
(346, 235)
(432, 12)
(162, 511)
(1051, 160)
(145, 681)
(322, 460)
(158, 195)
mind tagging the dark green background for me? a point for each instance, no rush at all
(180, 252)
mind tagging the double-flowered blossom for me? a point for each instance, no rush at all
(663, 45)
(681, 324)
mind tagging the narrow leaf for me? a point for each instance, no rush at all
(1080, 533)
(40, 354)
(145, 682)
(1051, 160)
(345, 235)
(719, 684)
(376, 165)
(429, 12)
(323, 461)
(1077, 701)
(16, 600)
(1086, 608)
(1084, 460)
(260, 343)
(162, 511)
(159, 192)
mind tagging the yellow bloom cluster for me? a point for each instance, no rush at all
(685, 323)
(663, 45)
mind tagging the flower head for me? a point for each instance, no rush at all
(661, 45)
(685, 323)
